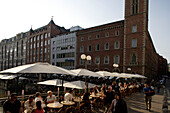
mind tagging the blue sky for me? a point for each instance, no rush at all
(18, 16)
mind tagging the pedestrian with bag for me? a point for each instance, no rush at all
(149, 92)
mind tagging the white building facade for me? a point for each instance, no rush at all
(63, 50)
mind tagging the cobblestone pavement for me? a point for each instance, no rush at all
(136, 104)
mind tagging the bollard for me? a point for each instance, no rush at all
(165, 101)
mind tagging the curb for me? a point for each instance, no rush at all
(165, 101)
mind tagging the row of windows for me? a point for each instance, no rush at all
(70, 39)
(64, 47)
(97, 47)
(98, 36)
(64, 55)
(106, 60)
(106, 46)
(39, 44)
(62, 64)
(39, 37)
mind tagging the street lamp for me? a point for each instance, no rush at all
(129, 69)
(115, 66)
(85, 58)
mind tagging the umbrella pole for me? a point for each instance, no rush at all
(58, 93)
(17, 84)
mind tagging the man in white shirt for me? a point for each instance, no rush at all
(39, 98)
(68, 96)
(50, 98)
(29, 105)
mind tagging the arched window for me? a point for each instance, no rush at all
(116, 59)
(117, 45)
(106, 60)
(97, 60)
(97, 47)
(107, 46)
(135, 4)
(82, 49)
(134, 58)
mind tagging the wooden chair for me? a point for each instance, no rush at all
(69, 109)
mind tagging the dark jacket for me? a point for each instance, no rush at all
(121, 107)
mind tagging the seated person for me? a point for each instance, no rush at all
(38, 109)
(96, 90)
(68, 96)
(29, 105)
(61, 98)
(39, 98)
(13, 105)
(50, 98)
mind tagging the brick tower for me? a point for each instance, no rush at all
(135, 33)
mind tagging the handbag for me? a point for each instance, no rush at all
(152, 93)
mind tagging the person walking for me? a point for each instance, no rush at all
(13, 105)
(148, 98)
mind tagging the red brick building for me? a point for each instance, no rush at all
(126, 43)
(39, 42)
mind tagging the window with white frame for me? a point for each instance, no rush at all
(116, 33)
(107, 46)
(89, 48)
(97, 36)
(134, 57)
(134, 7)
(134, 42)
(97, 47)
(81, 61)
(116, 59)
(89, 37)
(82, 39)
(134, 28)
(45, 42)
(41, 44)
(117, 45)
(107, 34)
(106, 60)
(37, 37)
(97, 60)
(82, 49)
(45, 35)
(48, 34)
(41, 37)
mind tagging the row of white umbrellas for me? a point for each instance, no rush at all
(48, 68)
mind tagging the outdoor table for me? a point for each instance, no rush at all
(98, 94)
(77, 100)
(95, 96)
(68, 103)
(54, 105)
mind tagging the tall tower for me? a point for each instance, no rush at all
(135, 32)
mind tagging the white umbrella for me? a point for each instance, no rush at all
(85, 72)
(105, 73)
(54, 82)
(78, 85)
(125, 75)
(38, 68)
(138, 76)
